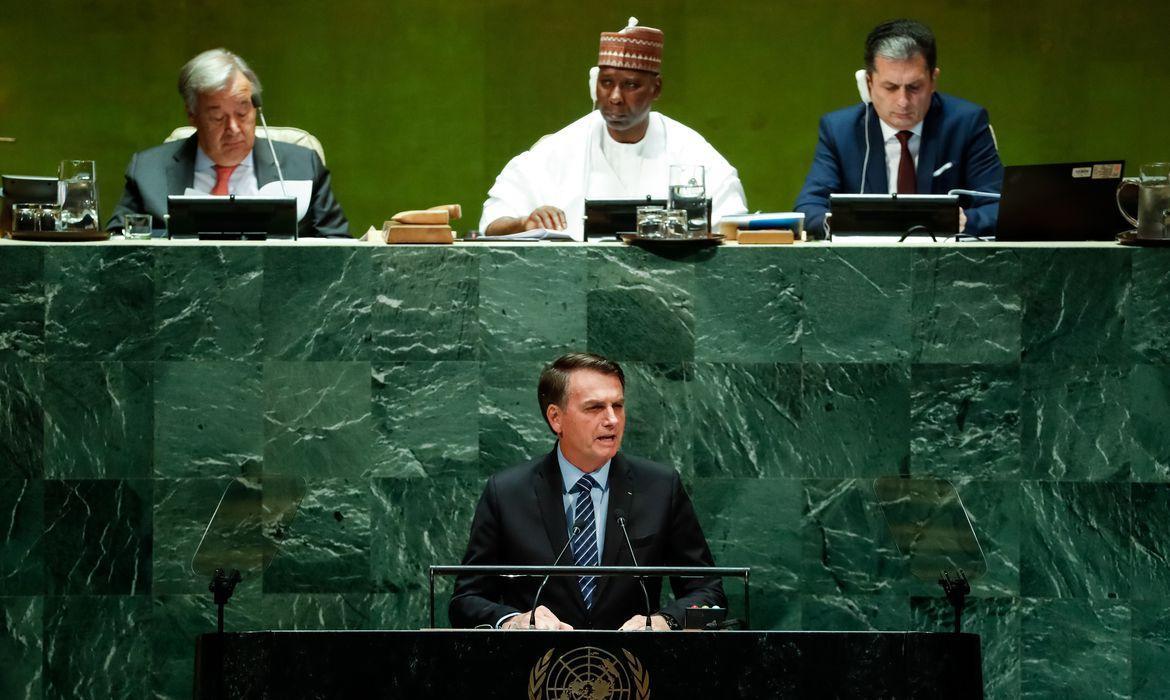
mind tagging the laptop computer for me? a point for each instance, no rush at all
(1061, 202)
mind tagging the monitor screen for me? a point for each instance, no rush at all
(894, 214)
(216, 218)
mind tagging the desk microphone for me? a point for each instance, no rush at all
(256, 103)
(620, 515)
(540, 589)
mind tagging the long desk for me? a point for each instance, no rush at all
(571, 665)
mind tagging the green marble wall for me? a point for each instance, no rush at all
(135, 381)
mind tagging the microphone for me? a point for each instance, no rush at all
(257, 104)
(620, 515)
(540, 589)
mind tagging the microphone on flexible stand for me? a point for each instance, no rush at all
(620, 515)
(540, 589)
(257, 104)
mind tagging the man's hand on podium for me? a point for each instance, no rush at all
(545, 620)
(638, 622)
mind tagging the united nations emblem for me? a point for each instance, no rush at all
(588, 673)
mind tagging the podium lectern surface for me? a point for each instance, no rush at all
(618, 665)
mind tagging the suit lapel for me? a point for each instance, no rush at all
(928, 149)
(181, 171)
(876, 180)
(263, 164)
(621, 497)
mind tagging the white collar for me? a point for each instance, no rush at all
(204, 162)
(889, 132)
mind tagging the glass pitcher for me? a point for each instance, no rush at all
(1153, 200)
(77, 194)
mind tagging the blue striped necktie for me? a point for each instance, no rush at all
(585, 543)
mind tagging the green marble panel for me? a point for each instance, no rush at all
(426, 415)
(1148, 310)
(22, 418)
(854, 420)
(318, 419)
(1149, 410)
(208, 419)
(1074, 649)
(208, 302)
(965, 421)
(640, 306)
(748, 307)
(995, 620)
(182, 510)
(1076, 540)
(22, 529)
(855, 613)
(175, 623)
(22, 305)
(316, 303)
(21, 638)
(327, 548)
(993, 508)
(1151, 649)
(965, 305)
(531, 302)
(408, 609)
(1075, 424)
(315, 611)
(511, 427)
(1074, 304)
(751, 418)
(99, 419)
(845, 546)
(1151, 541)
(756, 523)
(98, 537)
(97, 646)
(426, 303)
(417, 523)
(100, 303)
(857, 305)
(659, 422)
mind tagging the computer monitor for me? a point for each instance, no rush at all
(894, 214)
(231, 218)
(1061, 202)
(606, 218)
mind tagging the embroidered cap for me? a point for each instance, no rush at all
(633, 48)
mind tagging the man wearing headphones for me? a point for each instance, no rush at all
(908, 140)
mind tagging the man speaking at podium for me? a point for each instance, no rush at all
(572, 501)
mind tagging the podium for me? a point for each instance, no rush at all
(619, 665)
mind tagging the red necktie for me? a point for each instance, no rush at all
(223, 173)
(907, 182)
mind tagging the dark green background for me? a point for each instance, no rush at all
(419, 103)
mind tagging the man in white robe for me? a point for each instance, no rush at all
(621, 150)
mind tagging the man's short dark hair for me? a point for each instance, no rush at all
(901, 40)
(553, 387)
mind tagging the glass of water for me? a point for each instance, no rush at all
(137, 226)
(650, 221)
(688, 191)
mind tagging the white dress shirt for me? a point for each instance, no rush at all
(894, 151)
(241, 182)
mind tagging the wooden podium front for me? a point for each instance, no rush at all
(588, 665)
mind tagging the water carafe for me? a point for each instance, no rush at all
(77, 195)
(1153, 215)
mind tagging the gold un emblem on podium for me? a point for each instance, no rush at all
(588, 673)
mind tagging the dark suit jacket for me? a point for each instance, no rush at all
(954, 131)
(169, 169)
(520, 520)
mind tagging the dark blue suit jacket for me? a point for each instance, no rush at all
(955, 131)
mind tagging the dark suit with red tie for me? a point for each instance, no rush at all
(521, 520)
(954, 131)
